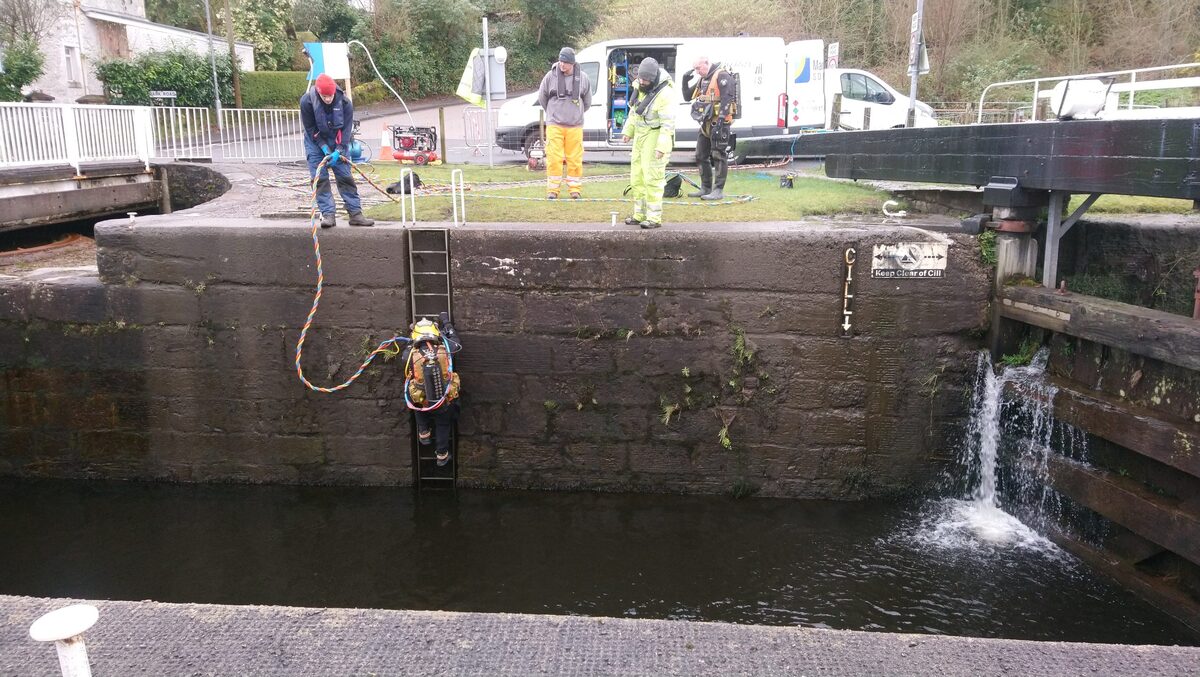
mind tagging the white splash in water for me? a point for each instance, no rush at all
(980, 521)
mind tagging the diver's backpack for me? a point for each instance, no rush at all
(430, 376)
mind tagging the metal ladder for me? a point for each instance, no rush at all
(429, 286)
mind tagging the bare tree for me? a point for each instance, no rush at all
(28, 19)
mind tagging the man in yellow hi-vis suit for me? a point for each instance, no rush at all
(565, 93)
(651, 126)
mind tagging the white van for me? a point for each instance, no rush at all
(784, 88)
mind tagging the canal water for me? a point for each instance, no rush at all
(861, 566)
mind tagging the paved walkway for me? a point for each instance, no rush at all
(138, 638)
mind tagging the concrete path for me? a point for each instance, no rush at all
(139, 638)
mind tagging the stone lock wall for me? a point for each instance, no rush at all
(704, 359)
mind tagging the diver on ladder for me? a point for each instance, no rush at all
(431, 384)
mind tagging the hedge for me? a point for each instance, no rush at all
(273, 89)
(370, 92)
(187, 73)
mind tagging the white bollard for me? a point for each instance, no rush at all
(65, 627)
(458, 196)
(409, 198)
(614, 219)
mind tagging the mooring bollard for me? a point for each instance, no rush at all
(65, 627)
(614, 219)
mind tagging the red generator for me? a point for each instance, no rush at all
(415, 144)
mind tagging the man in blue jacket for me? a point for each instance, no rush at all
(328, 119)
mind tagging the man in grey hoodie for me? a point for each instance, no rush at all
(565, 93)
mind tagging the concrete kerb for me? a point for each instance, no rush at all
(156, 638)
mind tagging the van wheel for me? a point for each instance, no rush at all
(734, 156)
(533, 141)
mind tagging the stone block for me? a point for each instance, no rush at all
(660, 459)
(72, 298)
(14, 299)
(112, 449)
(152, 304)
(586, 356)
(526, 419)
(606, 260)
(653, 357)
(497, 388)
(804, 393)
(380, 451)
(833, 359)
(595, 461)
(12, 344)
(772, 313)
(254, 306)
(477, 419)
(243, 251)
(517, 456)
(507, 354)
(84, 346)
(493, 311)
(475, 452)
(356, 475)
(607, 422)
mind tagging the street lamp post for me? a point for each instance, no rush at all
(914, 60)
(212, 60)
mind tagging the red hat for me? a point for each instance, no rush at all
(326, 85)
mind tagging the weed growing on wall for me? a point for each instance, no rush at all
(987, 247)
(1024, 354)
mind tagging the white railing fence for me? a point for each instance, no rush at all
(33, 134)
(55, 134)
(182, 133)
(262, 134)
(1126, 81)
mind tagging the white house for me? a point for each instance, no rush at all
(92, 30)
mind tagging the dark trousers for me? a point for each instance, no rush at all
(714, 163)
(343, 175)
(441, 420)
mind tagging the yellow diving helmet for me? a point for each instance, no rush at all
(425, 330)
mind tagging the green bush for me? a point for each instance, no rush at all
(129, 82)
(23, 63)
(273, 89)
(370, 92)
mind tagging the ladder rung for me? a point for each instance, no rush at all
(430, 294)
(431, 273)
(427, 251)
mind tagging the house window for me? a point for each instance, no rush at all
(71, 65)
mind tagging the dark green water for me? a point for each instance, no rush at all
(863, 566)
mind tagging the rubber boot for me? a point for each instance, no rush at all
(716, 194)
(328, 220)
(705, 190)
(357, 219)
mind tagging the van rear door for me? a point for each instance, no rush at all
(806, 105)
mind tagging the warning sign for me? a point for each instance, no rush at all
(909, 260)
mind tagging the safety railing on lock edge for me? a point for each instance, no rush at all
(262, 134)
(475, 129)
(34, 134)
(1131, 86)
(182, 133)
(964, 113)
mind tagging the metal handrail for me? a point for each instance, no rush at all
(1037, 82)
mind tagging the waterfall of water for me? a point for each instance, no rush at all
(1022, 425)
